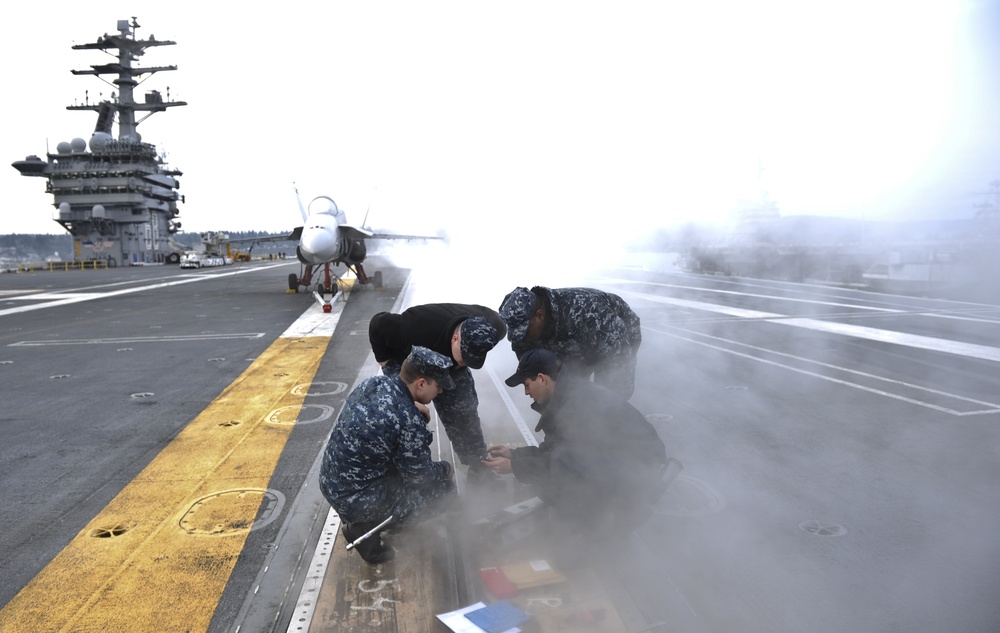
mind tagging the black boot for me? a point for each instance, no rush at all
(372, 550)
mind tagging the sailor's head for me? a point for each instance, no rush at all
(525, 314)
(426, 374)
(516, 311)
(537, 372)
(472, 340)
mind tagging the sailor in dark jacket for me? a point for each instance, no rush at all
(378, 463)
(462, 332)
(591, 331)
(591, 471)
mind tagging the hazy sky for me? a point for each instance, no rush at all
(530, 116)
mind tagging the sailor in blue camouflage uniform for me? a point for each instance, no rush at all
(378, 463)
(465, 333)
(589, 330)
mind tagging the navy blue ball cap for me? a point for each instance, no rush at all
(430, 364)
(478, 337)
(533, 362)
(516, 311)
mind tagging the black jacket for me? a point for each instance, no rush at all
(430, 325)
(590, 416)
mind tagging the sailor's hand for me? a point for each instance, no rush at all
(498, 450)
(422, 408)
(497, 459)
(499, 465)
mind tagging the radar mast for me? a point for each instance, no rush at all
(119, 200)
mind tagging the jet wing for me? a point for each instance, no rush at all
(396, 236)
(355, 233)
(294, 236)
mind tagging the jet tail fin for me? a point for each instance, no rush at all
(302, 209)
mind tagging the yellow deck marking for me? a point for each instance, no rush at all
(135, 567)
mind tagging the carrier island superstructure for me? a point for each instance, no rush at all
(118, 200)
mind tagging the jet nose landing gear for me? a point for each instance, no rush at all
(322, 292)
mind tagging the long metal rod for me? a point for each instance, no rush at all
(369, 533)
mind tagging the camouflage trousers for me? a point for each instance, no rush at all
(406, 504)
(458, 409)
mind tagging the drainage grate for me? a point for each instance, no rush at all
(818, 528)
(109, 532)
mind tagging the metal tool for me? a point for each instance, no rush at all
(369, 533)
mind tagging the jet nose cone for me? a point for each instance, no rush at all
(318, 245)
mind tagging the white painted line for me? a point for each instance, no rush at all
(959, 317)
(61, 299)
(55, 296)
(522, 426)
(140, 339)
(837, 292)
(315, 322)
(962, 313)
(971, 350)
(760, 296)
(993, 408)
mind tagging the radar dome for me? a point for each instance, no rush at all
(64, 207)
(99, 141)
(63, 147)
(78, 145)
(98, 211)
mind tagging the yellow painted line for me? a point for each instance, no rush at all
(158, 557)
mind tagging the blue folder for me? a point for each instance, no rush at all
(498, 617)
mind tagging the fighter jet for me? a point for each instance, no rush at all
(325, 239)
